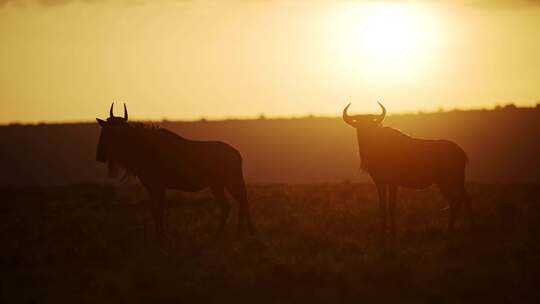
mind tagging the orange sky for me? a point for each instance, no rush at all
(68, 60)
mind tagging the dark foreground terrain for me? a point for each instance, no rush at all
(315, 244)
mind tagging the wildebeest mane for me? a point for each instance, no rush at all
(139, 143)
(148, 131)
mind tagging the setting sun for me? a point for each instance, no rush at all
(388, 43)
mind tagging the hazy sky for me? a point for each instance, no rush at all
(68, 60)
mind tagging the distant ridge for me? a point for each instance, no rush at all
(502, 145)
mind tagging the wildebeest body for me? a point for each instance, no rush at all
(392, 157)
(199, 166)
(164, 160)
(395, 160)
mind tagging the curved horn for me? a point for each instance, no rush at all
(125, 113)
(348, 119)
(111, 110)
(383, 114)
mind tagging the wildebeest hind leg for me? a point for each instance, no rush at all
(238, 191)
(454, 198)
(221, 199)
(468, 207)
(455, 206)
(156, 197)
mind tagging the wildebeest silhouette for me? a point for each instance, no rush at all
(164, 160)
(394, 160)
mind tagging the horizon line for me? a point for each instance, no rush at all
(262, 116)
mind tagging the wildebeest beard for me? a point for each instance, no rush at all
(115, 154)
(363, 148)
(113, 166)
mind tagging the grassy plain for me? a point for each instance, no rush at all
(314, 244)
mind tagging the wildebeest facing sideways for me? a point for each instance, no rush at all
(394, 160)
(164, 160)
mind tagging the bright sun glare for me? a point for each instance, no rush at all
(387, 42)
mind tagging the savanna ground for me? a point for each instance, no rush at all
(314, 244)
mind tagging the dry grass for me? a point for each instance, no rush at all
(315, 243)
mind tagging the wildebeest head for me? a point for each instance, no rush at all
(109, 145)
(364, 121)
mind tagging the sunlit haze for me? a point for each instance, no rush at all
(68, 60)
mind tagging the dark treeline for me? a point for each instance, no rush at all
(502, 145)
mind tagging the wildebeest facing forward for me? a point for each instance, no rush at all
(394, 160)
(164, 160)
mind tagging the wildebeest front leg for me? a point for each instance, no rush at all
(381, 190)
(221, 199)
(392, 194)
(238, 192)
